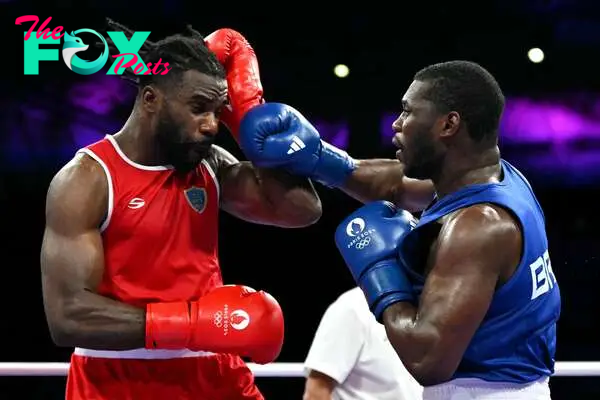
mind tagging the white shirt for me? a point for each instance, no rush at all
(351, 347)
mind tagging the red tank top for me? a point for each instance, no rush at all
(160, 234)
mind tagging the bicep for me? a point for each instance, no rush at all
(454, 301)
(72, 258)
(472, 251)
(70, 262)
(265, 196)
(240, 189)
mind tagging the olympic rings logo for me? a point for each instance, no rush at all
(363, 243)
(218, 319)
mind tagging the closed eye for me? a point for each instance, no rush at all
(405, 107)
(200, 104)
(199, 108)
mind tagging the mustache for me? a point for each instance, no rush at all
(203, 145)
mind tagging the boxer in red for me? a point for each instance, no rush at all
(131, 276)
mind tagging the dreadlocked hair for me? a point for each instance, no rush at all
(183, 52)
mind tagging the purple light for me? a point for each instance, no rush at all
(336, 133)
(385, 127)
(555, 139)
(529, 121)
(526, 121)
(100, 95)
(84, 135)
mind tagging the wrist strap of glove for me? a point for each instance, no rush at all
(384, 284)
(168, 325)
(334, 166)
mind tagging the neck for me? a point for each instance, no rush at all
(137, 141)
(467, 169)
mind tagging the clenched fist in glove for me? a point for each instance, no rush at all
(277, 135)
(243, 78)
(231, 319)
(369, 240)
(290, 141)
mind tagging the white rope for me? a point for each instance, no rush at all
(274, 370)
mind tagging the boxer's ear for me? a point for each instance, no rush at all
(451, 124)
(151, 99)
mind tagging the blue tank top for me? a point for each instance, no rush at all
(516, 341)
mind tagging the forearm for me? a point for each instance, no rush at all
(317, 394)
(377, 179)
(318, 386)
(416, 342)
(293, 199)
(92, 321)
(383, 179)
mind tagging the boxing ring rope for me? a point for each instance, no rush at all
(274, 370)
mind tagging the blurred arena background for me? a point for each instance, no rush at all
(550, 130)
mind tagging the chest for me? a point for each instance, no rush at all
(155, 206)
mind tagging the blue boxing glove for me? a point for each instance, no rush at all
(277, 135)
(369, 240)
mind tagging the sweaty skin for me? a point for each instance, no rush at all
(382, 179)
(180, 124)
(477, 250)
(72, 256)
(465, 258)
(72, 263)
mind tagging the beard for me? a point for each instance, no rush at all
(183, 155)
(424, 159)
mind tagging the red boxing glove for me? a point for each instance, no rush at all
(243, 78)
(230, 319)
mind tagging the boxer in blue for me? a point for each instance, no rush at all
(466, 293)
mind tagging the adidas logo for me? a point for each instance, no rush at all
(297, 145)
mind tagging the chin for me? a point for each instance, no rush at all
(417, 172)
(186, 166)
(190, 162)
(184, 169)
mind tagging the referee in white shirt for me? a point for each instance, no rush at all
(351, 358)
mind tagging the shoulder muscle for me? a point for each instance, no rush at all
(77, 196)
(481, 231)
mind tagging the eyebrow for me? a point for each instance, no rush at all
(204, 98)
(200, 97)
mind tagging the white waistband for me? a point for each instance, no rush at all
(470, 388)
(142, 354)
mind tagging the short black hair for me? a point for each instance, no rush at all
(469, 89)
(183, 51)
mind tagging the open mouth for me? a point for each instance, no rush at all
(400, 153)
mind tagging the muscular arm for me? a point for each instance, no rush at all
(318, 386)
(265, 196)
(72, 262)
(475, 247)
(382, 179)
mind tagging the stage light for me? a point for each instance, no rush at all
(536, 55)
(341, 71)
